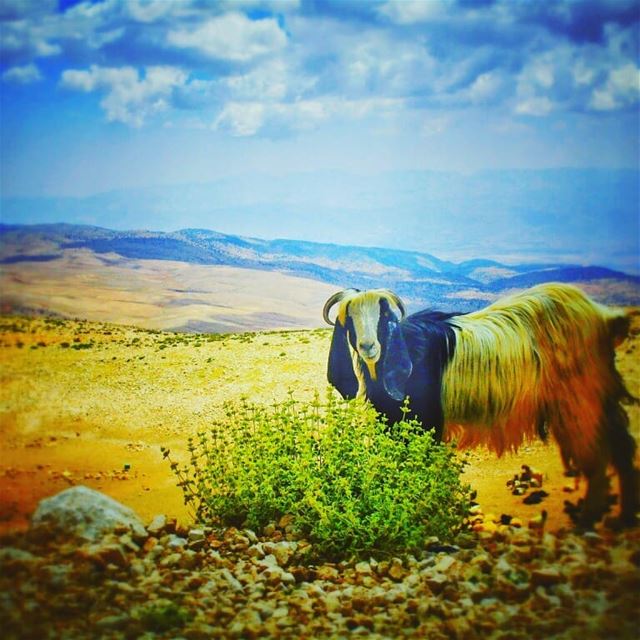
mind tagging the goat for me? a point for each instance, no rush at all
(539, 360)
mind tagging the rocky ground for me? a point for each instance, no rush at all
(88, 568)
(90, 404)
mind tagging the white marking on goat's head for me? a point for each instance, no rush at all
(359, 313)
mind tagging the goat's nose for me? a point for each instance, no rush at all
(366, 346)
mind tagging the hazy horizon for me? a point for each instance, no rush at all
(219, 108)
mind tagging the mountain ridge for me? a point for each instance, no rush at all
(421, 278)
(554, 215)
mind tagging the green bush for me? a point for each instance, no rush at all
(352, 484)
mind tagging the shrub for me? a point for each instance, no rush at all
(352, 484)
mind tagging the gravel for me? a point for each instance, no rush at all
(497, 581)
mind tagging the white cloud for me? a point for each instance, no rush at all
(299, 64)
(232, 37)
(18, 39)
(241, 119)
(556, 79)
(22, 75)
(578, 77)
(621, 89)
(485, 87)
(253, 118)
(583, 73)
(414, 11)
(383, 66)
(535, 106)
(357, 61)
(280, 6)
(151, 10)
(268, 82)
(129, 98)
(250, 118)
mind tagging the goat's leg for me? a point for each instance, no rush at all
(596, 498)
(429, 413)
(589, 457)
(623, 448)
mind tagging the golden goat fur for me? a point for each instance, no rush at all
(539, 356)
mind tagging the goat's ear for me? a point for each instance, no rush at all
(340, 369)
(397, 364)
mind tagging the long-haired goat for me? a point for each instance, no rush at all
(542, 359)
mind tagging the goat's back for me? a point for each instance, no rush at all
(543, 355)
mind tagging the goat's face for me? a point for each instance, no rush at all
(361, 317)
(366, 321)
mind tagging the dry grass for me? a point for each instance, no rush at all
(77, 414)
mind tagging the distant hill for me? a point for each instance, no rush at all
(560, 216)
(423, 280)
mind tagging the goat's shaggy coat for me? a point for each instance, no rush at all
(536, 361)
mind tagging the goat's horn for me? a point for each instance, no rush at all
(335, 298)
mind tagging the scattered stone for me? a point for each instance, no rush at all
(522, 482)
(84, 515)
(363, 569)
(436, 582)
(283, 551)
(327, 572)
(233, 582)
(515, 582)
(536, 497)
(112, 622)
(444, 564)
(105, 554)
(396, 570)
(13, 561)
(157, 525)
(545, 577)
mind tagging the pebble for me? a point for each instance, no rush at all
(196, 534)
(233, 582)
(157, 525)
(545, 577)
(283, 551)
(363, 568)
(520, 582)
(444, 564)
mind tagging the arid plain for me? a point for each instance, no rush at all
(91, 403)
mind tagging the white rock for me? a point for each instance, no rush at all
(175, 542)
(196, 534)
(283, 551)
(83, 514)
(363, 568)
(444, 564)
(10, 556)
(234, 583)
(157, 525)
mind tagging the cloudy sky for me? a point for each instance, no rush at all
(121, 94)
(128, 93)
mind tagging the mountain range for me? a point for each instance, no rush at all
(421, 279)
(576, 216)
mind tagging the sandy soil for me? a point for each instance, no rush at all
(92, 403)
(162, 294)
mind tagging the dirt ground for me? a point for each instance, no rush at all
(92, 403)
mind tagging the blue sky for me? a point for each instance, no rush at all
(122, 94)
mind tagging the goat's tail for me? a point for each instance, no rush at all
(619, 324)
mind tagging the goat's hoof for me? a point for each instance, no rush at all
(623, 521)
